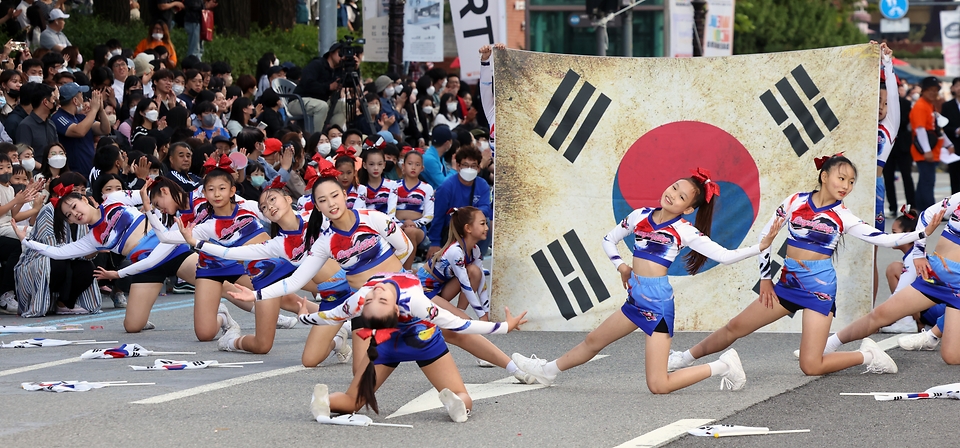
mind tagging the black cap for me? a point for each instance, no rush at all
(333, 48)
(928, 82)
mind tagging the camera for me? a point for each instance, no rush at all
(19, 46)
(348, 52)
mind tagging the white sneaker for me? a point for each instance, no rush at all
(227, 342)
(675, 361)
(345, 351)
(924, 340)
(796, 353)
(524, 377)
(735, 378)
(533, 366)
(906, 324)
(485, 364)
(320, 402)
(882, 362)
(149, 326)
(228, 321)
(454, 406)
(286, 322)
(8, 303)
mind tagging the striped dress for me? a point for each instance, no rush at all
(33, 272)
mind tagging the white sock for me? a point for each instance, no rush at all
(337, 342)
(867, 357)
(718, 368)
(688, 358)
(551, 368)
(512, 368)
(833, 343)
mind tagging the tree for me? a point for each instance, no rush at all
(116, 11)
(766, 26)
(276, 13)
(233, 19)
(395, 33)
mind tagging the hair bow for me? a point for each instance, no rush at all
(59, 192)
(317, 158)
(346, 151)
(310, 177)
(710, 188)
(382, 335)
(820, 161)
(326, 169)
(905, 209)
(223, 163)
(276, 184)
(380, 143)
(407, 149)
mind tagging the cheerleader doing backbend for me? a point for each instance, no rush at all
(660, 235)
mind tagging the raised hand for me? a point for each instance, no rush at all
(768, 238)
(514, 322)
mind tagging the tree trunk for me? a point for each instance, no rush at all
(276, 13)
(116, 11)
(233, 18)
(395, 35)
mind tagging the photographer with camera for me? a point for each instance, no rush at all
(320, 81)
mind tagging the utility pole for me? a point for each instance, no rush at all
(327, 21)
(699, 25)
(628, 30)
(395, 36)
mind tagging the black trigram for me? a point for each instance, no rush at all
(562, 262)
(800, 110)
(572, 115)
(774, 267)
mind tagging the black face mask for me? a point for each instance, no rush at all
(389, 166)
(18, 188)
(15, 94)
(137, 91)
(5, 178)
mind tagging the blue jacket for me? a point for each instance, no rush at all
(386, 107)
(453, 193)
(434, 171)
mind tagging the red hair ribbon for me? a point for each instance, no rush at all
(59, 192)
(276, 184)
(310, 177)
(379, 144)
(382, 335)
(224, 163)
(317, 158)
(408, 149)
(819, 161)
(710, 188)
(905, 209)
(346, 151)
(326, 169)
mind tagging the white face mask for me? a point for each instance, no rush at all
(915, 96)
(28, 164)
(112, 118)
(36, 79)
(336, 142)
(414, 93)
(388, 92)
(133, 111)
(177, 89)
(428, 110)
(157, 36)
(451, 107)
(276, 61)
(79, 59)
(152, 115)
(468, 174)
(303, 142)
(431, 90)
(116, 52)
(484, 145)
(57, 161)
(324, 149)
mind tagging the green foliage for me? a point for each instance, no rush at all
(765, 26)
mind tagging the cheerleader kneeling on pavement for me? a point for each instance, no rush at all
(401, 324)
(808, 280)
(660, 235)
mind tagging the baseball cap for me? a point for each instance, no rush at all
(142, 65)
(71, 90)
(928, 82)
(441, 134)
(272, 145)
(58, 14)
(220, 138)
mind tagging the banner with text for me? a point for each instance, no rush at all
(376, 18)
(423, 31)
(681, 29)
(719, 30)
(577, 152)
(476, 23)
(950, 39)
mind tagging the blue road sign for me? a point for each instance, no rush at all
(894, 9)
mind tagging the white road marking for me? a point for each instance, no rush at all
(218, 385)
(889, 343)
(509, 385)
(42, 365)
(665, 434)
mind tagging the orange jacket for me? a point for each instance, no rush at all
(921, 116)
(149, 44)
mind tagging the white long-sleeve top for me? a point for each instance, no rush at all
(890, 125)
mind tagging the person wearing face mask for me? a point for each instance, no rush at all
(53, 38)
(33, 68)
(10, 82)
(335, 134)
(447, 112)
(386, 89)
(76, 130)
(251, 187)
(27, 161)
(158, 36)
(21, 111)
(464, 189)
(207, 113)
(193, 84)
(37, 130)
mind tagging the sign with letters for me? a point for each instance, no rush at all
(476, 23)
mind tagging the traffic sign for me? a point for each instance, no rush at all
(894, 9)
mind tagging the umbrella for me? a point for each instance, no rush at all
(75, 386)
(44, 342)
(737, 430)
(944, 391)
(126, 351)
(355, 420)
(45, 329)
(166, 364)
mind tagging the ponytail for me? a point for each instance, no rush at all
(458, 222)
(908, 221)
(695, 260)
(367, 389)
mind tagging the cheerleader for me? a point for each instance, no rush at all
(414, 200)
(289, 243)
(887, 129)
(378, 193)
(402, 324)
(117, 226)
(457, 268)
(344, 162)
(363, 242)
(233, 224)
(900, 274)
(660, 235)
(808, 281)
